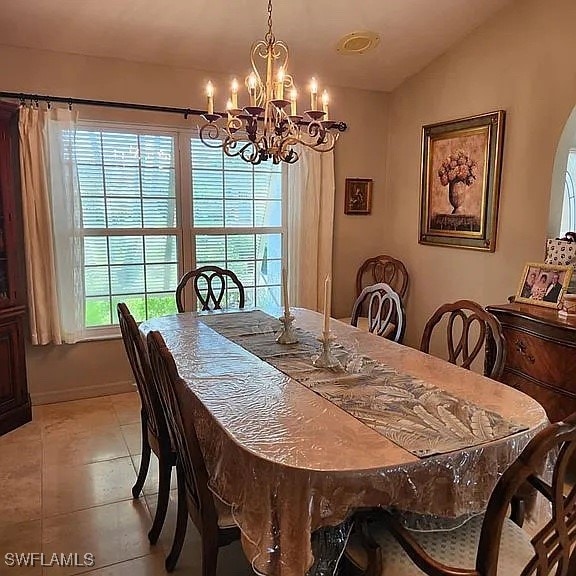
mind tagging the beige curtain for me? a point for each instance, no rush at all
(310, 227)
(67, 236)
(40, 264)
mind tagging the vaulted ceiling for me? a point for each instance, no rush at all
(216, 35)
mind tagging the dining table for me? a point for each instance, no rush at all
(294, 448)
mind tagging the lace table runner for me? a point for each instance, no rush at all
(414, 414)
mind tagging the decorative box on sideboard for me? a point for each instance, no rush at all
(541, 355)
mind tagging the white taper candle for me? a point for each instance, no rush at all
(327, 304)
(210, 96)
(285, 292)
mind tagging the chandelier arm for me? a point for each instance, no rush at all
(325, 146)
(287, 153)
(248, 151)
(210, 135)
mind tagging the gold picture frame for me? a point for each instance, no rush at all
(358, 196)
(543, 284)
(460, 182)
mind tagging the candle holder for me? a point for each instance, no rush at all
(326, 359)
(288, 334)
(315, 115)
(211, 117)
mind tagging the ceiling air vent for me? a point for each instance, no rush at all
(357, 43)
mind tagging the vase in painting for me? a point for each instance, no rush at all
(457, 195)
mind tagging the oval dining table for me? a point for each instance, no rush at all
(289, 461)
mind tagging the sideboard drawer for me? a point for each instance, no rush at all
(557, 403)
(546, 361)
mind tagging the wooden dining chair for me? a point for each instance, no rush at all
(212, 518)
(384, 269)
(462, 317)
(154, 429)
(210, 285)
(385, 312)
(490, 544)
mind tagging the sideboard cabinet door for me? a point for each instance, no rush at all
(14, 398)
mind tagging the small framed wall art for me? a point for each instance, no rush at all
(461, 165)
(358, 196)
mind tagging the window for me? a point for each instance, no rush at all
(237, 217)
(156, 203)
(569, 203)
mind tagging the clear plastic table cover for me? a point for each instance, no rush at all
(289, 462)
(414, 414)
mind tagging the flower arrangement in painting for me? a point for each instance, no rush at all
(458, 171)
(458, 167)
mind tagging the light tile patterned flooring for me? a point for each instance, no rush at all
(65, 487)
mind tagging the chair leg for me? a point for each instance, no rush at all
(209, 556)
(144, 458)
(163, 498)
(518, 511)
(181, 524)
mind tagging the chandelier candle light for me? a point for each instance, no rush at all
(264, 130)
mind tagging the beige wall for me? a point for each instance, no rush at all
(85, 369)
(522, 62)
(360, 153)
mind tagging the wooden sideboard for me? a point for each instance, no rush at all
(541, 355)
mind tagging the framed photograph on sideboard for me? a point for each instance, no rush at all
(543, 284)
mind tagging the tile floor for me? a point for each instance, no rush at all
(65, 487)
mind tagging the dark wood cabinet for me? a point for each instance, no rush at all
(15, 407)
(541, 355)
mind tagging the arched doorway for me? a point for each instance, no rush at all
(562, 217)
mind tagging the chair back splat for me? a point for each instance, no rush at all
(210, 285)
(462, 317)
(383, 269)
(385, 311)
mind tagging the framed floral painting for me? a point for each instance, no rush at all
(461, 165)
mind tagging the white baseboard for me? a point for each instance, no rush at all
(81, 392)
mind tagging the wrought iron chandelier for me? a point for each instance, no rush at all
(269, 127)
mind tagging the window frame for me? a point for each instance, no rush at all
(568, 214)
(184, 229)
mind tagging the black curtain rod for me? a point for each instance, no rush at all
(35, 98)
(103, 103)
